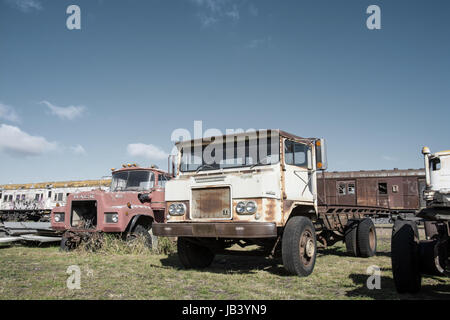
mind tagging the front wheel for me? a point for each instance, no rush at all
(193, 255)
(405, 257)
(150, 240)
(299, 247)
(66, 244)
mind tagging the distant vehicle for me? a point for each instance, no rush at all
(268, 188)
(412, 257)
(128, 209)
(34, 201)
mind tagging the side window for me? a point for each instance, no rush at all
(49, 194)
(351, 188)
(18, 197)
(296, 153)
(435, 164)
(60, 196)
(342, 188)
(10, 198)
(162, 179)
(382, 188)
(36, 197)
(289, 152)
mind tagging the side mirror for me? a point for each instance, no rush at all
(309, 159)
(171, 165)
(321, 154)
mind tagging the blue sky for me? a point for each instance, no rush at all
(72, 101)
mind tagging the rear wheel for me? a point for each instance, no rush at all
(367, 238)
(193, 255)
(351, 237)
(405, 257)
(299, 247)
(432, 260)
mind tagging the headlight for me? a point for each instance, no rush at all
(240, 207)
(59, 217)
(111, 217)
(250, 207)
(172, 208)
(177, 209)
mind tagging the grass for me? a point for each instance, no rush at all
(40, 273)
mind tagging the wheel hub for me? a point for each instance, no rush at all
(309, 250)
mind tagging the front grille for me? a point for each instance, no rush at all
(211, 203)
(84, 214)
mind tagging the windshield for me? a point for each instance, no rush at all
(234, 154)
(132, 181)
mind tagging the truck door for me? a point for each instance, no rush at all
(298, 179)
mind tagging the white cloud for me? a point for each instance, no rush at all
(233, 13)
(256, 43)
(253, 10)
(25, 5)
(212, 11)
(8, 113)
(78, 149)
(147, 151)
(69, 113)
(19, 143)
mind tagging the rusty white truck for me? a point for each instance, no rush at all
(410, 256)
(134, 201)
(258, 188)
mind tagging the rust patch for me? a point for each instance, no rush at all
(270, 210)
(211, 203)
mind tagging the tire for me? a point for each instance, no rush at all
(299, 247)
(367, 238)
(192, 255)
(150, 241)
(405, 257)
(351, 236)
(65, 245)
(429, 252)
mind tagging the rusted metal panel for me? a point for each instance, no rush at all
(396, 192)
(211, 203)
(217, 230)
(394, 189)
(270, 209)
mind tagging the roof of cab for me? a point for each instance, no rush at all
(243, 134)
(442, 153)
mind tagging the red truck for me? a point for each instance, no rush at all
(134, 202)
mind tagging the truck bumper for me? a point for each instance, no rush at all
(216, 230)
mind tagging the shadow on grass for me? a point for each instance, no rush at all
(225, 264)
(337, 251)
(388, 291)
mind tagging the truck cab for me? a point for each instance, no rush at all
(135, 200)
(437, 170)
(245, 188)
(412, 257)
